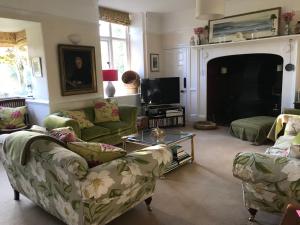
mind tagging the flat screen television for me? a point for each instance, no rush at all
(160, 90)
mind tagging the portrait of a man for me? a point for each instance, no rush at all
(77, 69)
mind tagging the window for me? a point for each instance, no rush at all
(15, 71)
(115, 51)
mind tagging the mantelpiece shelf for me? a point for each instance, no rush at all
(287, 37)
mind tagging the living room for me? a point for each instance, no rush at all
(167, 48)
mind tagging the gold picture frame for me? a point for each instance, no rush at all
(77, 69)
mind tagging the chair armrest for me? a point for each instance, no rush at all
(128, 114)
(54, 121)
(135, 169)
(267, 169)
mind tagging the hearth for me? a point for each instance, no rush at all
(245, 85)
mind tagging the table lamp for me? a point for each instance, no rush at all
(110, 75)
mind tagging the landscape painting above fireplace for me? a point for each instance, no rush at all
(252, 25)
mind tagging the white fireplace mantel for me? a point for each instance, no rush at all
(201, 55)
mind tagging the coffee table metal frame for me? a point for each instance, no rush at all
(186, 136)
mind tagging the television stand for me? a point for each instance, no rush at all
(165, 115)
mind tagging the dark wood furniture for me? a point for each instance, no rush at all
(165, 115)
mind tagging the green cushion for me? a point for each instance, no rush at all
(90, 113)
(96, 153)
(115, 127)
(90, 133)
(254, 129)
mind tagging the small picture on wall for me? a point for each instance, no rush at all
(154, 62)
(77, 69)
(36, 64)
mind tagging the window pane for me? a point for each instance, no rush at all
(120, 56)
(104, 54)
(104, 28)
(118, 31)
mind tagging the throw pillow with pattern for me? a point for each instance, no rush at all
(64, 134)
(96, 153)
(106, 111)
(12, 118)
(80, 117)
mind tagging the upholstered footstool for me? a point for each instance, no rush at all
(254, 129)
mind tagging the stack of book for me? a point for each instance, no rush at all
(180, 157)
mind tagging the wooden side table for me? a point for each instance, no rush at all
(291, 215)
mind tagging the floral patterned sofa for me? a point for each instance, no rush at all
(270, 181)
(59, 181)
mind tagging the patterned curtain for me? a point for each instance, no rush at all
(10, 39)
(114, 16)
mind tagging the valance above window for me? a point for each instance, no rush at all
(8, 39)
(114, 16)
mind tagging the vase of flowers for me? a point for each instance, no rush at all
(288, 17)
(199, 32)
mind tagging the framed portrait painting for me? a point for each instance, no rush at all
(154, 62)
(77, 69)
(252, 25)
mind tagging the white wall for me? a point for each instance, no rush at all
(137, 43)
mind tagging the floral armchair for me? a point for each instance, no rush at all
(60, 182)
(270, 181)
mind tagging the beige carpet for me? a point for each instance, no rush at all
(202, 193)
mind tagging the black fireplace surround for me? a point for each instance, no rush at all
(240, 86)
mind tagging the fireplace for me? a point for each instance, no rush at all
(240, 86)
(251, 68)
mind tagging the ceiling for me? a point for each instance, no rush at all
(159, 6)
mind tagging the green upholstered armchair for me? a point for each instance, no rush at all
(270, 181)
(59, 181)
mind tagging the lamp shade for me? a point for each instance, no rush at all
(110, 75)
(209, 9)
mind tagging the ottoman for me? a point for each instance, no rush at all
(254, 129)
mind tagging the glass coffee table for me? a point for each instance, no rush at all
(173, 139)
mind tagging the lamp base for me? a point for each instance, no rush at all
(110, 89)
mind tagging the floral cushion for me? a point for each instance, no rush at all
(292, 126)
(12, 118)
(64, 134)
(106, 110)
(96, 153)
(295, 147)
(80, 117)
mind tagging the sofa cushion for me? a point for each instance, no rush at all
(292, 126)
(80, 117)
(88, 134)
(281, 146)
(96, 153)
(295, 147)
(115, 127)
(106, 110)
(11, 118)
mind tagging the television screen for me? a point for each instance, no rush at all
(161, 90)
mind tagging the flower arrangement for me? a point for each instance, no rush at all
(198, 30)
(288, 16)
